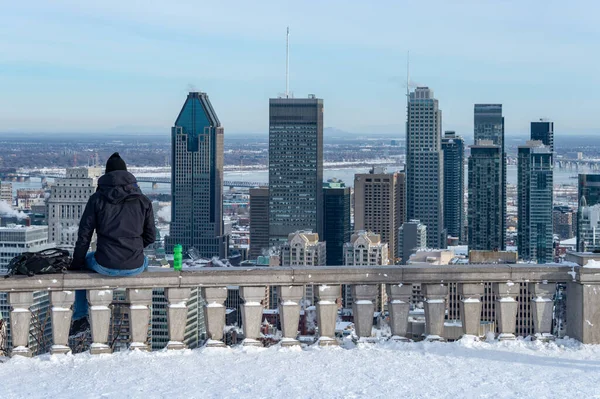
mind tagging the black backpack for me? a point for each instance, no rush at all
(48, 261)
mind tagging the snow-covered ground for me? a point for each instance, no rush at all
(464, 369)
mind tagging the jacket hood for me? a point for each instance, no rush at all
(118, 186)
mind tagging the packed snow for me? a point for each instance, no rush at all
(464, 369)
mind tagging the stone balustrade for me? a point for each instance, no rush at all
(583, 300)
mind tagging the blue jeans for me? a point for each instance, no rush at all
(81, 306)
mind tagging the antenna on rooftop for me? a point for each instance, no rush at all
(287, 63)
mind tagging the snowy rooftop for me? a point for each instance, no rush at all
(463, 369)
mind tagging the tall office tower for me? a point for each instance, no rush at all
(412, 236)
(454, 184)
(588, 239)
(486, 199)
(336, 215)
(379, 205)
(535, 236)
(489, 125)
(364, 249)
(6, 194)
(588, 195)
(15, 240)
(543, 131)
(259, 222)
(425, 165)
(197, 179)
(562, 220)
(303, 248)
(68, 197)
(295, 167)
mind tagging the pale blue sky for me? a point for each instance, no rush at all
(92, 66)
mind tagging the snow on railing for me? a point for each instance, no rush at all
(389, 287)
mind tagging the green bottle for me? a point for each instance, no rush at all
(177, 257)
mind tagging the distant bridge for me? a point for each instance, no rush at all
(167, 180)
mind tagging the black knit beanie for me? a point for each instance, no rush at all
(115, 162)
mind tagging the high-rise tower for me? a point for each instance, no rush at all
(336, 215)
(425, 165)
(543, 131)
(197, 179)
(295, 167)
(534, 238)
(454, 184)
(489, 126)
(484, 216)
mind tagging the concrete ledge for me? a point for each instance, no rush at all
(257, 276)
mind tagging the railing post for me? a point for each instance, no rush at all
(20, 319)
(100, 313)
(214, 313)
(363, 308)
(289, 312)
(140, 301)
(327, 308)
(62, 311)
(252, 311)
(470, 307)
(506, 309)
(435, 310)
(542, 304)
(177, 316)
(399, 307)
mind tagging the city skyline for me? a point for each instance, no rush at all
(125, 58)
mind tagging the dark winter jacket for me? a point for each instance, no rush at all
(124, 222)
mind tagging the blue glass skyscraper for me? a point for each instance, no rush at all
(197, 179)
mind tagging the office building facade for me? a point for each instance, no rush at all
(543, 131)
(486, 203)
(588, 194)
(379, 205)
(412, 236)
(295, 167)
(563, 220)
(488, 124)
(454, 184)
(259, 222)
(425, 165)
(197, 179)
(336, 216)
(535, 184)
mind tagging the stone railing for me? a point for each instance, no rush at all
(583, 300)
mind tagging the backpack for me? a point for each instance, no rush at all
(48, 261)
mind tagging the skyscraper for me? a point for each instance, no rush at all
(197, 179)
(454, 184)
(587, 212)
(486, 199)
(295, 167)
(6, 193)
(379, 205)
(259, 221)
(563, 221)
(336, 215)
(425, 165)
(543, 131)
(489, 125)
(412, 236)
(534, 238)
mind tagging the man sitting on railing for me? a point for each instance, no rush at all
(124, 223)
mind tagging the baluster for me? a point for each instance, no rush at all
(470, 307)
(252, 312)
(20, 319)
(62, 311)
(289, 312)
(399, 307)
(140, 301)
(177, 316)
(363, 308)
(506, 309)
(542, 304)
(214, 313)
(435, 310)
(327, 309)
(100, 314)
